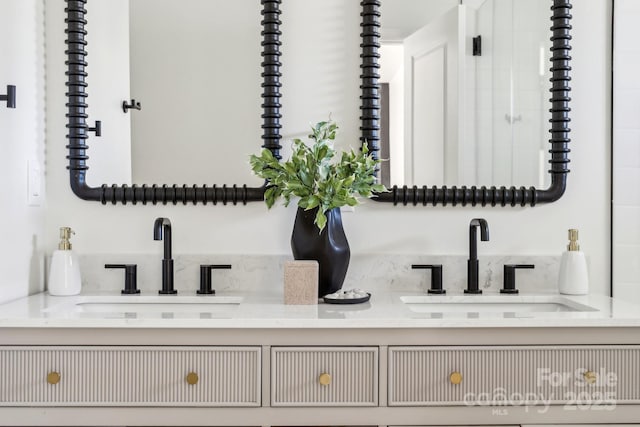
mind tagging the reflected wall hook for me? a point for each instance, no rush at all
(513, 119)
(10, 97)
(97, 128)
(133, 105)
(477, 46)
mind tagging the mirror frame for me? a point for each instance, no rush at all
(78, 129)
(474, 195)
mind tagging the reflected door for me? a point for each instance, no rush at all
(433, 117)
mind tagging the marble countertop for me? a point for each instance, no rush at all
(384, 310)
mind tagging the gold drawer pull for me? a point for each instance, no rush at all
(455, 378)
(324, 379)
(53, 377)
(590, 377)
(192, 378)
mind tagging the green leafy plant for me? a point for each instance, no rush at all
(316, 176)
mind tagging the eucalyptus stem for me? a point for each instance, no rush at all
(334, 182)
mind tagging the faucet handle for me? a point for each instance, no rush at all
(509, 284)
(130, 277)
(205, 277)
(436, 277)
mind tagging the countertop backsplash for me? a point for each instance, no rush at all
(263, 275)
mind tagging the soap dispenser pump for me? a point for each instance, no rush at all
(573, 278)
(64, 273)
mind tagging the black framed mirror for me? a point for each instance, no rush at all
(559, 75)
(80, 127)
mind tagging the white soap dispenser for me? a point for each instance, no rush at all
(573, 278)
(64, 273)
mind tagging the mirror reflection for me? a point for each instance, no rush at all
(465, 92)
(195, 68)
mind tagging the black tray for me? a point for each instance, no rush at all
(347, 300)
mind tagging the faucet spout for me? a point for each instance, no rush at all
(162, 228)
(472, 263)
(473, 235)
(162, 231)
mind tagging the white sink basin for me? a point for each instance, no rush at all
(493, 304)
(160, 306)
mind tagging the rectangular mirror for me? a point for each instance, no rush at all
(185, 91)
(456, 96)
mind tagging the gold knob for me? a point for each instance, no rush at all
(590, 377)
(53, 378)
(455, 378)
(192, 378)
(324, 379)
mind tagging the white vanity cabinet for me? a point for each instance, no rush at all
(130, 376)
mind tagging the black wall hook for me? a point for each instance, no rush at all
(97, 128)
(133, 105)
(10, 97)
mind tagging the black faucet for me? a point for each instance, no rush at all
(472, 263)
(162, 228)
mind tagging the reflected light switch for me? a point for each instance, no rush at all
(34, 183)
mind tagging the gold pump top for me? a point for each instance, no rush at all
(65, 235)
(573, 240)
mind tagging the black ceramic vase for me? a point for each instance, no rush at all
(330, 248)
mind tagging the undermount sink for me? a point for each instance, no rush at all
(150, 306)
(493, 304)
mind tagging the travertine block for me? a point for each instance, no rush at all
(301, 282)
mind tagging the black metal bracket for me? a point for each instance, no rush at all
(97, 128)
(477, 46)
(10, 97)
(133, 105)
(76, 30)
(483, 196)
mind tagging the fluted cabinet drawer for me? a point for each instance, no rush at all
(576, 375)
(324, 376)
(130, 376)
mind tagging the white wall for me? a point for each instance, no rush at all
(626, 159)
(404, 17)
(321, 57)
(21, 141)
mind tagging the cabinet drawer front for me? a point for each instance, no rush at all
(321, 376)
(583, 375)
(130, 376)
